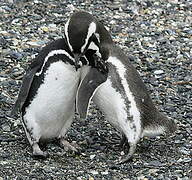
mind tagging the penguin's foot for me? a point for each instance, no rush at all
(129, 155)
(37, 152)
(69, 146)
(124, 160)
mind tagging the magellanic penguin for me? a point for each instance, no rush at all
(84, 32)
(88, 37)
(124, 100)
(47, 96)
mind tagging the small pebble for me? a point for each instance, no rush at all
(157, 36)
(6, 128)
(94, 172)
(105, 173)
(158, 72)
(92, 156)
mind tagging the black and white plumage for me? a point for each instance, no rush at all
(126, 104)
(47, 97)
(84, 32)
(119, 92)
(86, 36)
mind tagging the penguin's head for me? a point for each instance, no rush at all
(81, 35)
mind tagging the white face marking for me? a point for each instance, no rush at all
(52, 53)
(91, 30)
(53, 106)
(98, 37)
(133, 111)
(93, 46)
(80, 64)
(87, 62)
(67, 35)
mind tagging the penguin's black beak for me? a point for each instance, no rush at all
(77, 59)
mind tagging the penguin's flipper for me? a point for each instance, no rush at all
(86, 90)
(24, 90)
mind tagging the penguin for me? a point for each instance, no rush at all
(113, 83)
(87, 37)
(125, 102)
(46, 99)
(73, 65)
(84, 32)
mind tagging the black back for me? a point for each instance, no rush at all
(150, 115)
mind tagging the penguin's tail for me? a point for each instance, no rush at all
(167, 123)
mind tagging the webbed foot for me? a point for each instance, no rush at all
(69, 146)
(37, 152)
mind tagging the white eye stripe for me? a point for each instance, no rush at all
(98, 37)
(67, 35)
(93, 46)
(86, 60)
(52, 53)
(91, 30)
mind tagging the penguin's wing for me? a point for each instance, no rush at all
(36, 64)
(24, 90)
(87, 89)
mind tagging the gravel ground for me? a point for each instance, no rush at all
(157, 33)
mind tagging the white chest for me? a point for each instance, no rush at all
(54, 102)
(117, 102)
(111, 104)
